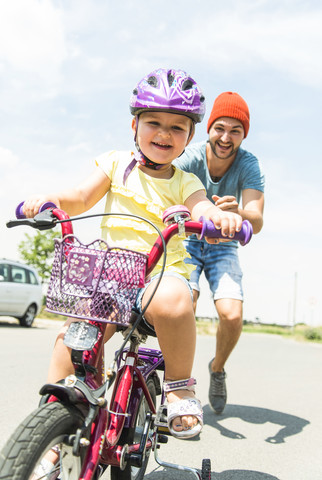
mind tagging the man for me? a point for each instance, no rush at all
(229, 174)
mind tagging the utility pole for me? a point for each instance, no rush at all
(294, 300)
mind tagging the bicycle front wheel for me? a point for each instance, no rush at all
(133, 435)
(37, 448)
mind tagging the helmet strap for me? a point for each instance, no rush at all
(138, 157)
(142, 159)
(145, 161)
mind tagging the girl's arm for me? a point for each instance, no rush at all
(228, 222)
(76, 200)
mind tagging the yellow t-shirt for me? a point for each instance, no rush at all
(146, 197)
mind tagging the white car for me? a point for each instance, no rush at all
(20, 291)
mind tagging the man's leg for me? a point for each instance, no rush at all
(195, 295)
(228, 333)
(230, 313)
(224, 275)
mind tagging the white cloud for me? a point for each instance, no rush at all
(32, 38)
(7, 158)
(80, 147)
(38, 37)
(253, 37)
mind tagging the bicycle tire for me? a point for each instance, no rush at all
(43, 429)
(132, 435)
(206, 469)
(26, 320)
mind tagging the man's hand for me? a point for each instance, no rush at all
(227, 203)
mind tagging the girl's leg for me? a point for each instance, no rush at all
(60, 364)
(171, 314)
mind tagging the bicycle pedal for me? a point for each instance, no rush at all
(161, 420)
(162, 438)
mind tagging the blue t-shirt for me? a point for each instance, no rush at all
(245, 172)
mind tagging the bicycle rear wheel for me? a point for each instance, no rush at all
(37, 450)
(133, 435)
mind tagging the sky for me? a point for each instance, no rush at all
(67, 69)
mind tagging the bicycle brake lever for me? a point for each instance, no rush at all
(42, 221)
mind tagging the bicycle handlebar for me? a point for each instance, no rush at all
(46, 219)
(202, 228)
(49, 216)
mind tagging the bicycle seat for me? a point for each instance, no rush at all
(143, 327)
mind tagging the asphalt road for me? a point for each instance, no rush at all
(271, 428)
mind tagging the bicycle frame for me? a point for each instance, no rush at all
(104, 426)
(108, 424)
(130, 379)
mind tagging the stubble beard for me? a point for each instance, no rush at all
(222, 157)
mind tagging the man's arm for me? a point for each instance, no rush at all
(252, 206)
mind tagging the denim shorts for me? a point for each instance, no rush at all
(139, 297)
(221, 267)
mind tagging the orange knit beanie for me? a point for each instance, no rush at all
(230, 104)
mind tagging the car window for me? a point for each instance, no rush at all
(4, 273)
(32, 278)
(18, 274)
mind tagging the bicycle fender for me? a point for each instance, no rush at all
(62, 392)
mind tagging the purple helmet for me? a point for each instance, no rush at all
(170, 91)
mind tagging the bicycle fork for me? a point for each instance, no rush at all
(130, 385)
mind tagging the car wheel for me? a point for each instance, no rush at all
(27, 319)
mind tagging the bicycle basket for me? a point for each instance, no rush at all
(93, 281)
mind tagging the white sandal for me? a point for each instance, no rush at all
(185, 406)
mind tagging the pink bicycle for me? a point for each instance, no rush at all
(75, 434)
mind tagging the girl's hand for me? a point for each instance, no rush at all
(227, 222)
(32, 205)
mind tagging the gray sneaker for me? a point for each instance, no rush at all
(217, 390)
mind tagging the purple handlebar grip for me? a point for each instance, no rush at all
(209, 230)
(44, 206)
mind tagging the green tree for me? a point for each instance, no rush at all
(38, 250)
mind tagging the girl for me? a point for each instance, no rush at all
(166, 104)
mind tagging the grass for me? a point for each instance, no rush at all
(50, 316)
(208, 326)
